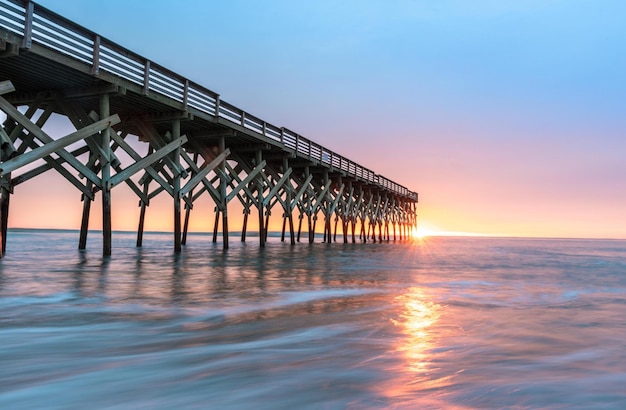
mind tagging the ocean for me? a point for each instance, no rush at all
(442, 323)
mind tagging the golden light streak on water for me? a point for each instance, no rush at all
(418, 316)
(419, 376)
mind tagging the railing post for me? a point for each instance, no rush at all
(185, 95)
(95, 67)
(27, 41)
(146, 78)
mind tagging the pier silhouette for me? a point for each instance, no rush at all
(197, 143)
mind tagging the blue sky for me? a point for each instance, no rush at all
(506, 116)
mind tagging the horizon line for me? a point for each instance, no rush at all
(442, 234)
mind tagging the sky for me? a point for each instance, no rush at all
(507, 117)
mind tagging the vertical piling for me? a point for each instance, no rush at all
(183, 240)
(216, 225)
(267, 222)
(105, 167)
(300, 217)
(282, 232)
(259, 158)
(224, 203)
(84, 223)
(188, 208)
(246, 212)
(142, 218)
(5, 196)
(142, 211)
(289, 210)
(176, 186)
(327, 215)
(292, 237)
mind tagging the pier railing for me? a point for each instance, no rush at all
(36, 24)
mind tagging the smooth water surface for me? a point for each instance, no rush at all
(442, 323)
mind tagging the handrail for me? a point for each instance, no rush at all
(36, 24)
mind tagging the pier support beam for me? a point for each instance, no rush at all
(176, 187)
(290, 204)
(142, 212)
(84, 224)
(262, 227)
(5, 196)
(246, 213)
(188, 207)
(223, 184)
(105, 166)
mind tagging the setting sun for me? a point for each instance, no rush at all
(420, 232)
(424, 230)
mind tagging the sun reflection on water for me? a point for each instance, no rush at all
(419, 382)
(418, 315)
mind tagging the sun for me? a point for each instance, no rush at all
(420, 232)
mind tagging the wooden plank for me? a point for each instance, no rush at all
(12, 112)
(8, 149)
(56, 145)
(234, 174)
(277, 186)
(301, 191)
(84, 223)
(224, 181)
(203, 171)
(194, 168)
(334, 204)
(57, 165)
(27, 41)
(147, 161)
(17, 132)
(79, 119)
(142, 215)
(105, 169)
(287, 187)
(132, 185)
(211, 190)
(51, 162)
(149, 169)
(318, 201)
(176, 185)
(149, 132)
(246, 180)
(6, 87)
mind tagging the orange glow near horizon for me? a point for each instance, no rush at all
(425, 230)
(50, 202)
(422, 232)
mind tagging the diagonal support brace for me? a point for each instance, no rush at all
(147, 161)
(56, 145)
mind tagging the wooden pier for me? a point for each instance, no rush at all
(197, 143)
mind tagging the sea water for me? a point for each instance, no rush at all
(442, 323)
